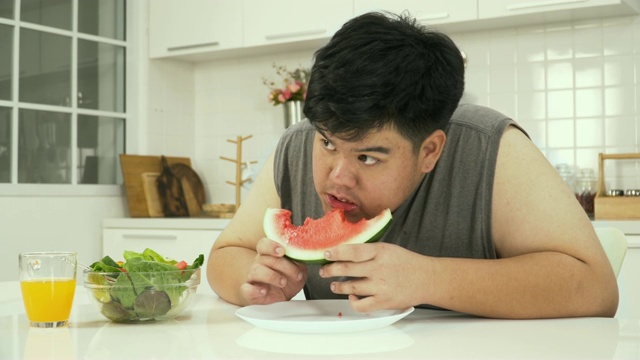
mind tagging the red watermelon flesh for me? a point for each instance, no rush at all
(309, 241)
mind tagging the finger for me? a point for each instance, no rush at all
(262, 294)
(263, 271)
(276, 260)
(254, 293)
(276, 271)
(365, 304)
(301, 275)
(345, 268)
(358, 287)
(288, 268)
(368, 304)
(352, 252)
(269, 247)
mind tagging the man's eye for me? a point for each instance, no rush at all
(328, 145)
(368, 160)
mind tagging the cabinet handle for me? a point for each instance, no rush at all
(529, 5)
(149, 237)
(435, 16)
(295, 34)
(194, 46)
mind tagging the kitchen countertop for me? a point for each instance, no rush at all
(626, 226)
(176, 223)
(210, 329)
(630, 227)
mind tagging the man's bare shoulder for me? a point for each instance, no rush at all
(533, 209)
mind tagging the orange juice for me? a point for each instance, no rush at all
(47, 300)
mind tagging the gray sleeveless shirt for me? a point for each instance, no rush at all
(449, 213)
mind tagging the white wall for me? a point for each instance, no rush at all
(231, 101)
(37, 223)
(573, 86)
(194, 108)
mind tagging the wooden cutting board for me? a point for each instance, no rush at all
(133, 166)
(154, 204)
(187, 175)
(191, 185)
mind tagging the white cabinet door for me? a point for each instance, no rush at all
(427, 12)
(285, 21)
(501, 8)
(179, 27)
(629, 280)
(176, 244)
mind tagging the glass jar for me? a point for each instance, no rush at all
(586, 188)
(567, 174)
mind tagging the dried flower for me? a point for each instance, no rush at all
(294, 85)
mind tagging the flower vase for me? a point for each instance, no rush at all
(293, 112)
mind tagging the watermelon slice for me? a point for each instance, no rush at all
(308, 242)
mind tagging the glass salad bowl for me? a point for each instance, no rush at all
(132, 297)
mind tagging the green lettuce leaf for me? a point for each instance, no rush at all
(155, 275)
(106, 264)
(123, 291)
(151, 255)
(199, 261)
(128, 255)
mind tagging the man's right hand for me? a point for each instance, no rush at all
(272, 277)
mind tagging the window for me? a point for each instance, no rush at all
(62, 91)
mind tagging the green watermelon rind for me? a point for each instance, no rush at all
(374, 231)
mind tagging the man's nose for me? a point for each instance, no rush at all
(343, 173)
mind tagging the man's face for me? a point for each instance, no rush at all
(366, 176)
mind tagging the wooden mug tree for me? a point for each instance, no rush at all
(239, 164)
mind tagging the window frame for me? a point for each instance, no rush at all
(132, 36)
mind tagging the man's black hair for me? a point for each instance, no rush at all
(385, 70)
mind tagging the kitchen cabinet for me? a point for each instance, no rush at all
(288, 21)
(427, 12)
(203, 30)
(193, 26)
(629, 277)
(180, 239)
(523, 12)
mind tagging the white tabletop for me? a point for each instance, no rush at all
(210, 329)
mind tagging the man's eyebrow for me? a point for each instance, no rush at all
(379, 149)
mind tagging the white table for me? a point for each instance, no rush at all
(210, 329)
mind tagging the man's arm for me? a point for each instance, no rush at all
(551, 263)
(235, 270)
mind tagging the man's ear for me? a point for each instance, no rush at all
(431, 150)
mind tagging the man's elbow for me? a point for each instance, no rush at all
(606, 300)
(610, 308)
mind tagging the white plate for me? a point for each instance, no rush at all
(317, 317)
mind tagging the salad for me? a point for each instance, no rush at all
(145, 286)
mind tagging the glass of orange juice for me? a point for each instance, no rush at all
(48, 282)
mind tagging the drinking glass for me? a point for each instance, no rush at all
(48, 282)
